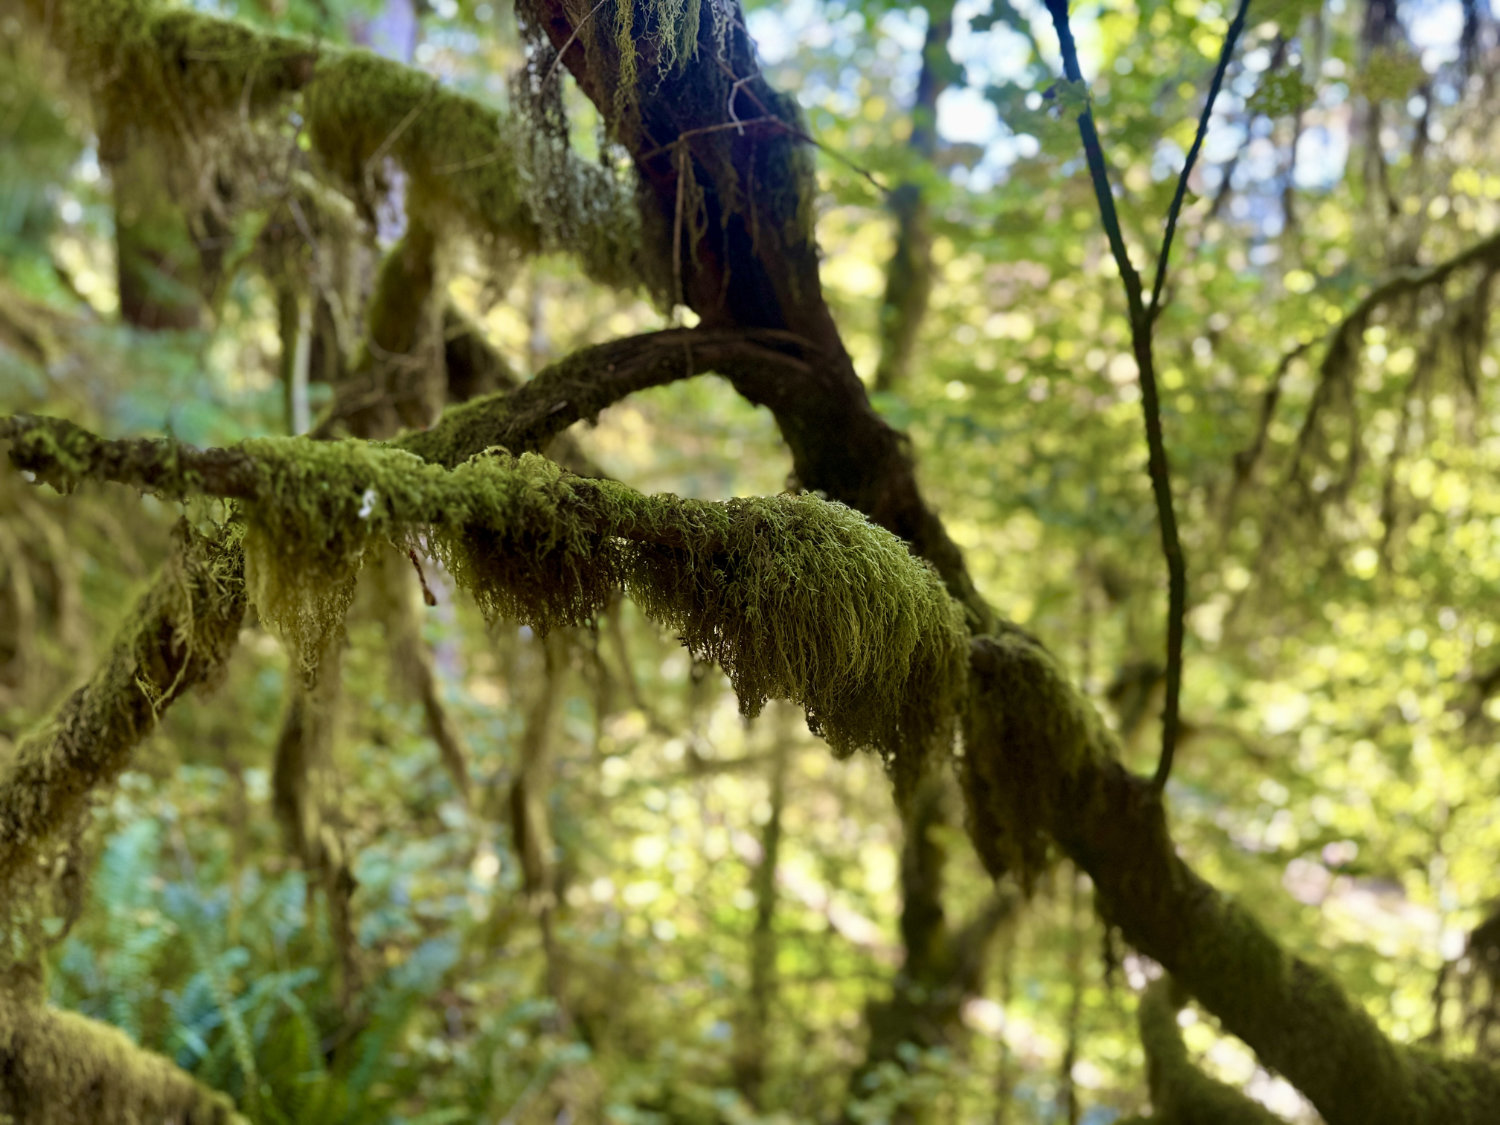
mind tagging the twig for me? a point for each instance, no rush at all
(569, 41)
(1236, 28)
(1141, 318)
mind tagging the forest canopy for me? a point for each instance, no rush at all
(653, 561)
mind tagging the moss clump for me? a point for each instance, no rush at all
(801, 599)
(60, 1068)
(795, 597)
(1026, 734)
(523, 547)
(501, 176)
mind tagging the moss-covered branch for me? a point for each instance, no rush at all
(60, 1068)
(795, 597)
(1181, 1094)
(177, 638)
(184, 75)
(1040, 766)
(584, 383)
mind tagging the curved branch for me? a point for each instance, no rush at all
(1040, 766)
(1181, 1094)
(178, 637)
(583, 384)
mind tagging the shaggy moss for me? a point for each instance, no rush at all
(61, 1068)
(795, 597)
(317, 508)
(501, 176)
(801, 599)
(1026, 733)
(179, 636)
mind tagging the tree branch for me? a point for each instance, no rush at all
(60, 1066)
(1039, 765)
(179, 636)
(1142, 317)
(751, 260)
(583, 384)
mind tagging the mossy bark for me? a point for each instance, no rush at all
(177, 638)
(737, 206)
(1040, 766)
(59, 1068)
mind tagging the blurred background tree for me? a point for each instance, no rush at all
(497, 875)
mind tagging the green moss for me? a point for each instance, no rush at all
(801, 599)
(320, 505)
(1026, 733)
(502, 177)
(795, 597)
(60, 1069)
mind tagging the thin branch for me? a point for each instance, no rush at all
(1236, 28)
(1140, 335)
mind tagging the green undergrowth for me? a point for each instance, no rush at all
(793, 596)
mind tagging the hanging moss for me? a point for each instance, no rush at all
(500, 176)
(801, 599)
(318, 507)
(60, 1068)
(795, 597)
